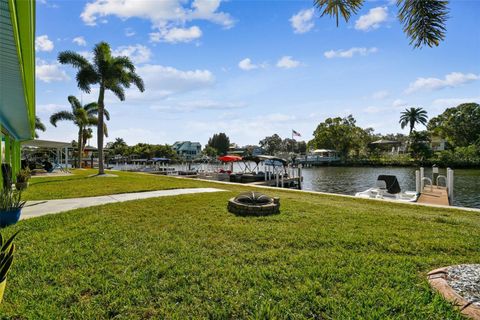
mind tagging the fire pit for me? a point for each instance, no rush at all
(253, 204)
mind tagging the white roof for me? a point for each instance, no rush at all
(322, 150)
(46, 144)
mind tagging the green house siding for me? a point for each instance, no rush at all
(17, 78)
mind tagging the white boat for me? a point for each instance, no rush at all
(388, 188)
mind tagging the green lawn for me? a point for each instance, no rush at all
(83, 184)
(322, 257)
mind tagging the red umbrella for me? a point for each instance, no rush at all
(230, 158)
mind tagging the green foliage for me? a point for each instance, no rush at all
(83, 116)
(24, 175)
(110, 73)
(459, 125)
(39, 126)
(271, 144)
(342, 135)
(419, 145)
(210, 151)
(220, 142)
(10, 200)
(459, 157)
(424, 21)
(6, 255)
(413, 116)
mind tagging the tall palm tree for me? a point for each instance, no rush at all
(109, 73)
(413, 116)
(39, 126)
(424, 21)
(82, 116)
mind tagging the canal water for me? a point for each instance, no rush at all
(349, 180)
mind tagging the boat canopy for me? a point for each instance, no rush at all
(391, 182)
(160, 160)
(230, 158)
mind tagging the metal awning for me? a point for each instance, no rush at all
(46, 144)
(17, 68)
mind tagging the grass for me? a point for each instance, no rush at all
(83, 183)
(322, 257)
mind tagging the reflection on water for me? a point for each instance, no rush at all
(349, 180)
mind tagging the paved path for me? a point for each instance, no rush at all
(40, 208)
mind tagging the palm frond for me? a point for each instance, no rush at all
(124, 63)
(135, 78)
(74, 103)
(91, 108)
(335, 8)
(106, 114)
(61, 115)
(86, 77)
(118, 91)
(39, 124)
(73, 58)
(423, 21)
(102, 55)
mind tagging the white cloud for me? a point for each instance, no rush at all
(349, 53)
(303, 20)
(80, 41)
(168, 18)
(129, 32)
(399, 103)
(162, 81)
(175, 35)
(49, 108)
(48, 72)
(246, 64)
(372, 109)
(451, 80)
(197, 105)
(380, 95)
(287, 62)
(372, 19)
(42, 43)
(136, 53)
(453, 102)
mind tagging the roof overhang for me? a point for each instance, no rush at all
(17, 65)
(46, 144)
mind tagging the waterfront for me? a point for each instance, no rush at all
(349, 180)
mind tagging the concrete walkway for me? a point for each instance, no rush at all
(40, 208)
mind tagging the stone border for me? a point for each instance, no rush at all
(241, 209)
(438, 280)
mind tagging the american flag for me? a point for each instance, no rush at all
(295, 133)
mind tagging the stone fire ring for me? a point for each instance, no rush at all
(253, 204)
(438, 280)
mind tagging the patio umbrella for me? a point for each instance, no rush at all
(230, 158)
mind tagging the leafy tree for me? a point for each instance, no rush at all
(118, 147)
(423, 21)
(82, 116)
(419, 145)
(220, 142)
(271, 144)
(109, 73)
(39, 126)
(210, 151)
(340, 134)
(413, 116)
(460, 126)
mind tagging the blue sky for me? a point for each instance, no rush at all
(253, 68)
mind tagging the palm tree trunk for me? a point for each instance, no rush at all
(101, 97)
(79, 148)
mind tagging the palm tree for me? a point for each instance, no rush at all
(424, 21)
(39, 126)
(109, 73)
(413, 116)
(82, 116)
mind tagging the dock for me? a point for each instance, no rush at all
(434, 195)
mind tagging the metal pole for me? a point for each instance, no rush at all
(422, 174)
(418, 187)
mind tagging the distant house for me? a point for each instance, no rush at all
(438, 144)
(187, 150)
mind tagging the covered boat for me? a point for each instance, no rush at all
(387, 187)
